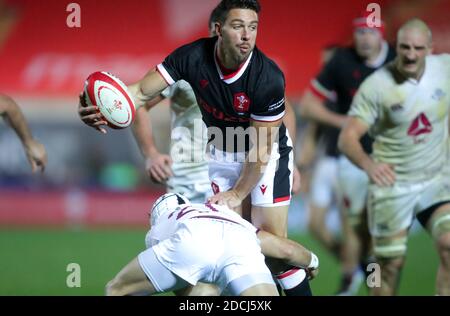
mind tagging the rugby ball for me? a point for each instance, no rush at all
(112, 98)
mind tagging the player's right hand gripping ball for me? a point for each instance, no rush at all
(112, 98)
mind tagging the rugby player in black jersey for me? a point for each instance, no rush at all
(241, 94)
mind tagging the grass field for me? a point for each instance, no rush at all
(34, 262)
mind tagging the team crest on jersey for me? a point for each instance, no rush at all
(241, 102)
(396, 107)
(438, 95)
(420, 127)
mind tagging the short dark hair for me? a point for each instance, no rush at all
(222, 9)
(214, 17)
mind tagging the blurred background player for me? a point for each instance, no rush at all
(34, 150)
(405, 106)
(211, 243)
(319, 154)
(338, 81)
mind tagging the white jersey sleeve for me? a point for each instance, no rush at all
(365, 104)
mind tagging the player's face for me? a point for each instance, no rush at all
(413, 45)
(367, 42)
(239, 32)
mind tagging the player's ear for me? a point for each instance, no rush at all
(218, 29)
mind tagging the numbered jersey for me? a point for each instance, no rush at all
(182, 216)
(408, 118)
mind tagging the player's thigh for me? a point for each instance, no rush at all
(435, 207)
(130, 280)
(158, 274)
(439, 225)
(200, 289)
(223, 170)
(323, 183)
(261, 290)
(390, 215)
(271, 219)
(352, 190)
(274, 187)
(241, 264)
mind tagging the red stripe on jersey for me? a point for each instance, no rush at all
(318, 93)
(282, 199)
(287, 273)
(228, 73)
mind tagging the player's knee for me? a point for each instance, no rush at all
(443, 245)
(391, 267)
(200, 289)
(440, 229)
(390, 249)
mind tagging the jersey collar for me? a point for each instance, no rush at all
(382, 56)
(229, 79)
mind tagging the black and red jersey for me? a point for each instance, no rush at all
(255, 91)
(341, 77)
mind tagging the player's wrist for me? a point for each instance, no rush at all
(151, 153)
(28, 142)
(314, 263)
(367, 165)
(239, 194)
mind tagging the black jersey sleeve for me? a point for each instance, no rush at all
(325, 84)
(176, 66)
(268, 105)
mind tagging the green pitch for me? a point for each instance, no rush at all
(34, 262)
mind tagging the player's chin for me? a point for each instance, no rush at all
(244, 53)
(410, 69)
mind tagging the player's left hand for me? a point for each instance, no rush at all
(296, 183)
(229, 198)
(312, 273)
(91, 116)
(36, 155)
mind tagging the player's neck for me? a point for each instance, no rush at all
(227, 61)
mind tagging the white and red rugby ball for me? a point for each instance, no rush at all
(112, 98)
